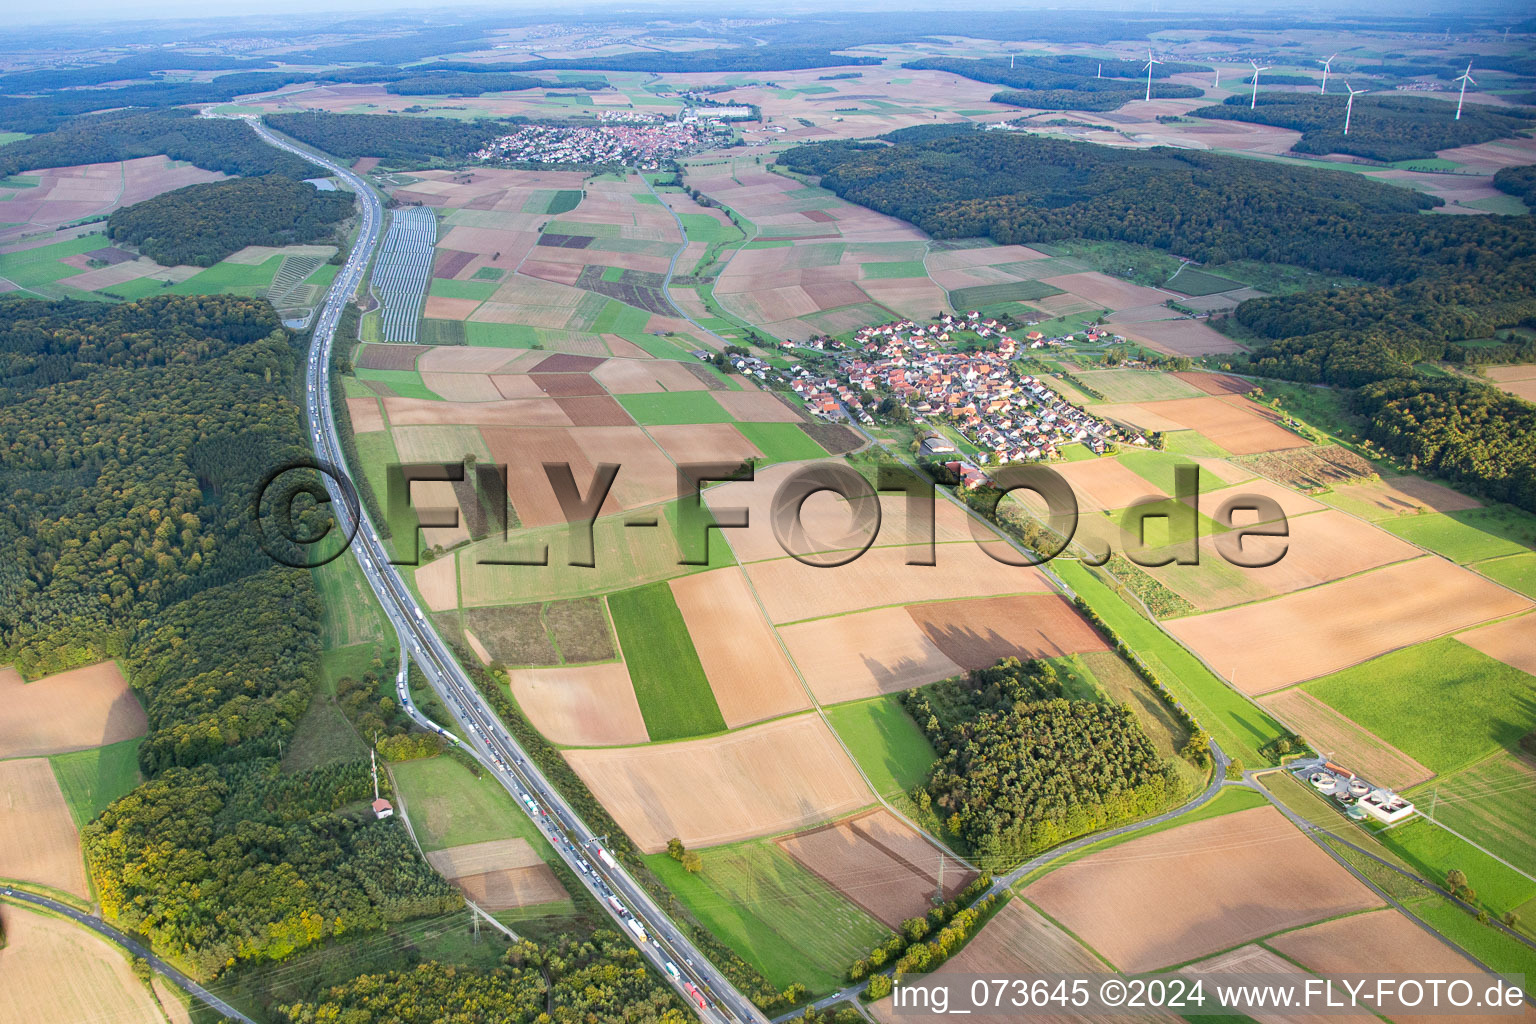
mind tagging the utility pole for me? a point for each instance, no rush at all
(938, 896)
(374, 761)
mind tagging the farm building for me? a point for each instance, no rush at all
(1357, 796)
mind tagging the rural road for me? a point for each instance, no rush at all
(668, 949)
(96, 924)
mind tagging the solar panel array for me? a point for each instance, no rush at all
(403, 269)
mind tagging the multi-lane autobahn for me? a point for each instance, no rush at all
(662, 943)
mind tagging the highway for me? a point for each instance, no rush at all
(634, 913)
(96, 924)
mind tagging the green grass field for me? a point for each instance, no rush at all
(1432, 851)
(1517, 572)
(1493, 803)
(449, 806)
(701, 227)
(450, 289)
(1009, 291)
(781, 442)
(1493, 948)
(1442, 702)
(351, 612)
(92, 779)
(232, 278)
(675, 699)
(1240, 726)
(323, 735)
(779, 917)
(901, 268)
(1472, 535)
(405, 383)
(674, 407)
(885, 741)
(1138, 385)
(1198, 282)
(40, 266)
(499, 335)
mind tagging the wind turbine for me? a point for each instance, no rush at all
(1150, 61)
(1349, 107)
(1466, 76)
(1254, 101)
(1327, 67)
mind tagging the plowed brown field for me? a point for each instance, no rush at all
(878, 862)
(978, 633)
(365, 414)
(1512, 642)
(747, 670)
(845, 657)
(41, 844)
(56, 970)
(499, 874)
(1193, 890)
(74, 710)
(758, 781)
(1343, 623)
(1236, 424)
(1258, 960)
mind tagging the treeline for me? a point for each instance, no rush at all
(201, 224)
(1384, 128)
(1519, 182)
(914, 930)
(570, 980)
(461, 84)
(1023, 768)
(384, 720)
(1461, 430)
(133, 439)
(1065, 82)
(214, 144)
(929, 955)
(394, 138)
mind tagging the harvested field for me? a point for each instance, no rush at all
(516, 385)
(845, 657)
(389, 357)
(41, 844)
(56, 970)
(1108, 292)
(792, 591)
(438, 583)
(438, 444)
(703, 442)
(1385, 942)
(450, 261)
(365, 415)
(1142, 417)
(763, 780)
(756, 407)
(75, 710)
(1101, 484)
(1235, 424)
(878, 862)
(1019, 941)
(747, 671)
(595, 411)
(1395, 496)
(1215, 383)
(462, 387)
(528, 486)
(439, 308)
(1321, 547)
(499, 874)
(646, 476)
(978, 633)
(524, 412)
(1190, 891)
(581, 706)
(646, 376)
(1325, 729)
(1291, 503)
(579, 629)
(1258, 960)
(1513, 642)
(1311, 469)
(1177, 337)
(1344, 623)
(466, 359)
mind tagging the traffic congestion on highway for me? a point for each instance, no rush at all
(658, 939)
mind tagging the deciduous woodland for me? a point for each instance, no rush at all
(201, 224)
(391, 138)
(132, 438)
(1436, 280)
(210, 143)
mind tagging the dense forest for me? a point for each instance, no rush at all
(1519, 182)
(214, 144)
(1066, 82)
(1436, 281)
(201, 224)
(568, 981)
(1023, 768)
(1385, 128)
(132, 440)
(463, 84)
(391, 138)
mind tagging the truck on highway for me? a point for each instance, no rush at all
(698, 996)
(607, 858)
(618, 908)
(672, 970)
(636, 927)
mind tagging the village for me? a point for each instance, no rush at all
(1008, 415)
(622, 137)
